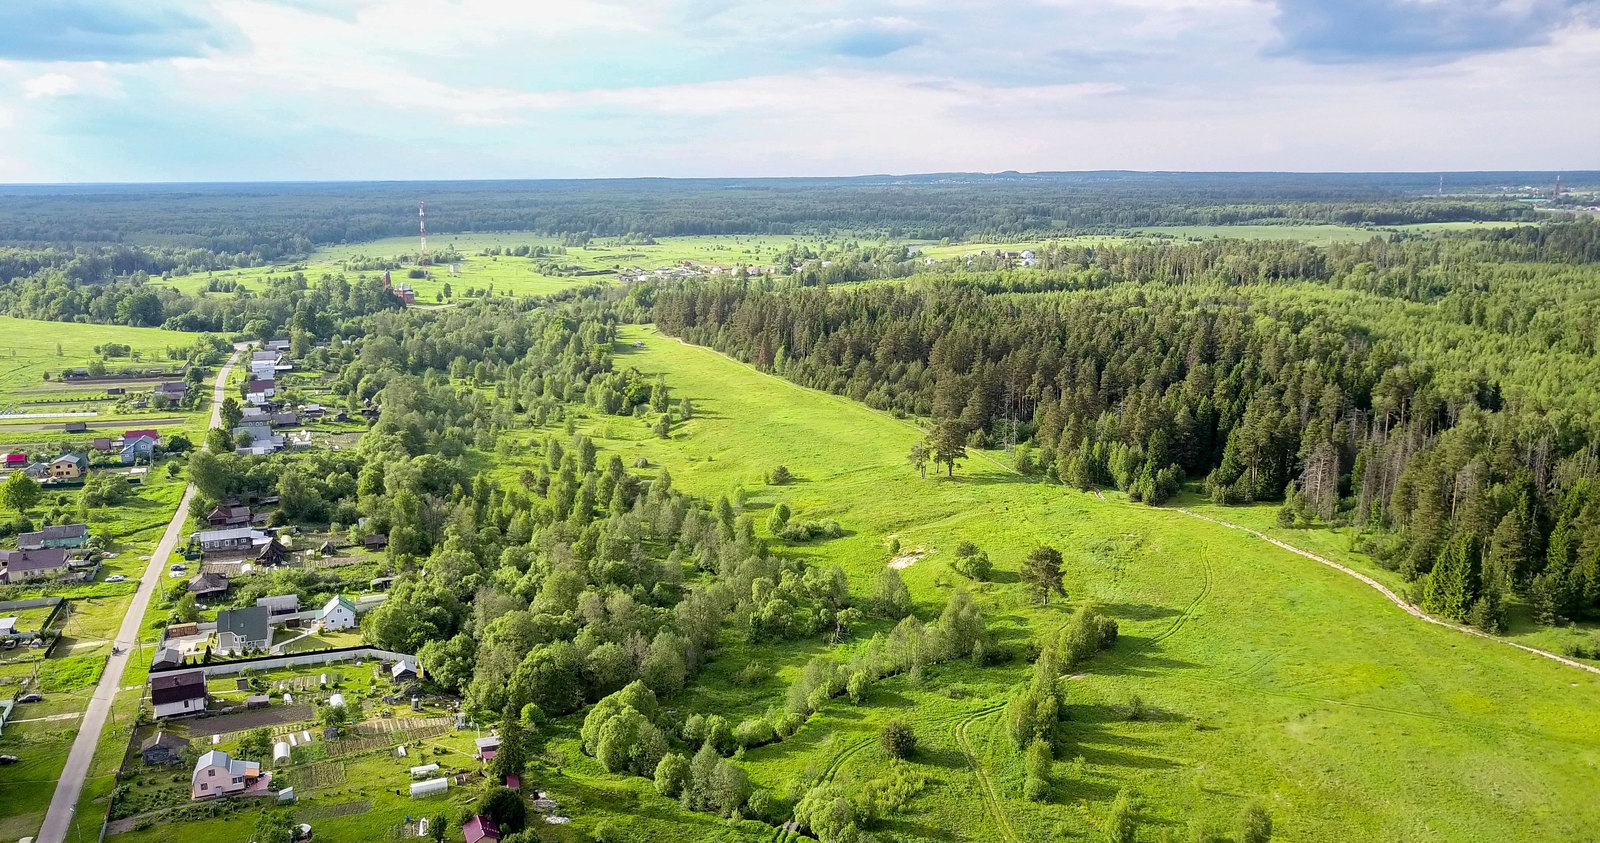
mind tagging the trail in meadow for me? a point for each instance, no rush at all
(1393, 598)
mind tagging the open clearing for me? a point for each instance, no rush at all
(1270, 675)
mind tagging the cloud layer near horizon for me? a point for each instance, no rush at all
(151, 90)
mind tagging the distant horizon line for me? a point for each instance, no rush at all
(855, 177)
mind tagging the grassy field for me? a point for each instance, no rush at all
(1316, 235)
(519, 275)
(1270, 676)
(31, 348)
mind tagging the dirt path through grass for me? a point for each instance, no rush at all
(991, 795)
(1393, 598)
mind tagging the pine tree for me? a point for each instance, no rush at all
(949, 444)
(1452, 585)
(1042, 573)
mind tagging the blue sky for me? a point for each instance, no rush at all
(159, 90)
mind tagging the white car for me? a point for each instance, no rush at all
(116, 578)
(175, 575)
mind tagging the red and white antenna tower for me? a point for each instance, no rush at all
(422, 227)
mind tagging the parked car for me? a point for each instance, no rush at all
(116, 578)
(8, 759)
(11, 643)
(179, 566)
(31, 698)
(176, 575)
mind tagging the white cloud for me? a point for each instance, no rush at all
(421, 89)
(48, 85)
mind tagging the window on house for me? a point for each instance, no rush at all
(211, 774)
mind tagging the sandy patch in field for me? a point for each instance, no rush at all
(907, 559)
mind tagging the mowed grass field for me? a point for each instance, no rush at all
(1266, 674)
(597, 262)
(30, 348)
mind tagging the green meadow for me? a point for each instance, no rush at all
(1260, 674)
(598, 261)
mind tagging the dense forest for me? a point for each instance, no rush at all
(1439, 394)
(273, 222)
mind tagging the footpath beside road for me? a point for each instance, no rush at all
(64, 803)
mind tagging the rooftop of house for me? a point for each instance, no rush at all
(335, 602)
(56, 533)
(164, 739)
(27, 561)
(249, 623)
(177, 687)
(235, 766)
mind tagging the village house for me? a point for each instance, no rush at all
(478, 829)
(222, 517)
(38, 470)
(138, 445)
(16, 460)
(338, 613)
(487, 747)
(69, 467)
(178, 694)
(205, 586)
(102, 444)
(273, 553)
(65, 535)
(217, 774)
(18, 566)
(176, 391)
(280, 604)
(163, 748)
(231, 540)
(259, 391)
(376, 541)
(240, 631)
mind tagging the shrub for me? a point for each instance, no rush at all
(972, 562)
(752, 674)
(779, 476)
(897, 740)
(804, 531)
(1255, 824)
(754, 731)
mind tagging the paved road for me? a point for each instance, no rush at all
(58, 820)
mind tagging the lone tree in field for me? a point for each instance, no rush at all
(780, 476)
(664, 425)
(1042, 573)
(21, 492)
(919, 459)
(949, 444)
(897, 740)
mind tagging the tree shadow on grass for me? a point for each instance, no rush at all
(1138, 611)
